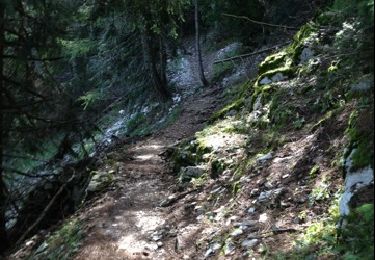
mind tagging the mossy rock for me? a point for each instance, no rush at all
(273, 62)
(361, 135)
(236, 106)
(217, 167)
(100, 181)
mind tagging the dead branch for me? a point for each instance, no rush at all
(251, 54)
(45, 211)
(261, 23)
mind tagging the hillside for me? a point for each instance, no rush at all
(273, 159)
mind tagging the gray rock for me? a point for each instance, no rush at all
(254, 192)
(247, 223)
(194, 171)
(264, 158)
(263, 218)
(269, 185)
(42, 248)
(265, 81)
(306, 55)
(365, 84)
(199, 210)
(270, 195)
(213, 249)
(156, 238)
(258, 103)
(354, 182)
(248, 244)
(99, 181)
(251, 210)
(237, 232)
(278, 77)
(229, 247)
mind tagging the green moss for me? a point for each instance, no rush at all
(135, 124)
(236, 105)
(63, 244)
(323, 240)
(361, 139)
(222, 69)
(358, 236)
(217, 168)
(315, 171)
(323, 121)
(273, 62)
(295, 49)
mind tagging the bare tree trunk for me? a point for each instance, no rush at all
(198, 46)
(3, 233)
(159, 84)
(163, 61)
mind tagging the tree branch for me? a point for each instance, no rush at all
(31, 58)
(261, 23)
(251, 54)
(45, 211)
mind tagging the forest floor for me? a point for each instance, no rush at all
(276, 184)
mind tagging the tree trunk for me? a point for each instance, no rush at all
(163, 61)
(160, 86)
(198, 46)
(3, 233)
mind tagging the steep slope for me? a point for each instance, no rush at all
(284, 171)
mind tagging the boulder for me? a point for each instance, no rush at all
(191, 172)
(306, 55)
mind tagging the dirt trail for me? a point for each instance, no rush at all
(126, 222)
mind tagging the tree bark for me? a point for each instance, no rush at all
(160, 86)
(163, 61)
(3, 197)
(198, 46)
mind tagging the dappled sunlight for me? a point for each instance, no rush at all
(223, 134)
(145, 157)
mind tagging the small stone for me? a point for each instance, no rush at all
(247, 244)
(193, 171)
(214, 248)
(269, 185)
(268, 195)
(156, 236)
(286, 176)
(160, 244)
(247, 223)
(231, 220)
(237, 232)
(30, 242)
(229, 248)
(200, 218)
(199, 210)
(217, 190)
(251, 210)
(255, 192)
(264, 158)
(265, 81)
(263, 218)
